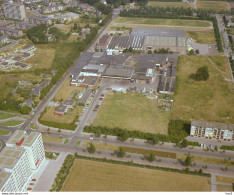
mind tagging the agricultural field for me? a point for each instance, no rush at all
(214, 5)
(66, 90)
(6, 116)
(132, 111)
(67, 118)
(4, 132)
(224, 188)
(153, 23)
(43, 56)
(203, 37)
(210, 100)
(11, 123)
(88, 175)
(169, 4)
(224, 179)
(52, 139)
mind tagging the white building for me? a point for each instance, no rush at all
(212, 130)
(32, 143)
(15, 170)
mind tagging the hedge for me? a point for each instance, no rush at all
(143, 166)
(227, 148)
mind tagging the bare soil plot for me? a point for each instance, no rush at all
(132, 111)
(43, 57)
(210, 100)
(224, 179)
(67, 118)
(169, 4)
(88, 175)
(214, 5)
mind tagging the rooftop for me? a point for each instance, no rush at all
(61, 108)
(19, 135)
(157, 32)
(208, 124)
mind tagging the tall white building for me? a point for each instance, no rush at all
(14, 11)
(15, 170)
(22, 156)
(32, 143)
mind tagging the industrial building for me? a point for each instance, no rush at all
(212, 130)
(150, 39)
(19, 160)
(14, 11)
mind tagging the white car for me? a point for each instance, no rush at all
(91, 138)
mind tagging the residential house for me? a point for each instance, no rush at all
(29, 102)
(11, 32)
(39, 20)
(3, 39)
(61, 110)
(23, 25)
(69, 103)
(28, 48)
(52, 8)
(14, 11)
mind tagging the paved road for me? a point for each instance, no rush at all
(13, 42)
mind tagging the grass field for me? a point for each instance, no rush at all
(67, 118)
(132, 111)
(66, 90)
(153, 23)
(32, 125)
(224, 179)
(224, 188)
(11, 123)
(203, 37)
(43, 57)
(214, 5)
(4, 132)
(88, 175)
(51, 139)
(210, 100)
(169, 4)
(6, 115)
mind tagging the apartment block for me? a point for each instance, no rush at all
(212, 130)
(32, 143)
(14, 11)
(15, 170)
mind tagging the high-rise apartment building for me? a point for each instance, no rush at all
(14, 11)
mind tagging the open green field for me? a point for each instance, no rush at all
(67, 118)
(4, 132)
(43, 56)
(210, 100)
(88, 175)
(154, 23)
(132, 111)
(6, 115)
(203, 37)
(214, 5)
(169, 4)
(51, 139)
(11, 123)
(33, 126)
(224, 179)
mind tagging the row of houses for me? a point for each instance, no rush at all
(52, 8)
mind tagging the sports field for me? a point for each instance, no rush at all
(169, 4)
(132, 111)
(214, 5)
(210, 100)
(88, 175)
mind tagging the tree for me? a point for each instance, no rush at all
(202, 74)
(92, 148)
(59, 130)
(149, 52)
(197, 51)
(75, 27)
(216, 148)
(200, 171)
(188, 160)
(226, 168)
(184, 143)
(152, 157)
(25, 109)
(191, 52)
(121, 152)
(98, 133)
(124, 135)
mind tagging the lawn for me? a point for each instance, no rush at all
(43, 57)
(203, 37)
(4, 132)
(33, 126)
(6, 115)
(189, 25)
(11, 123)
(66, 90)
(169, 4)
(210, 100)
(214, 5)
(224, 188)
(88, 175)
(67, 118)
(224, 179)
(132, 111)
(52, 139)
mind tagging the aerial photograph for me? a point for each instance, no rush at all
(116, 96)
